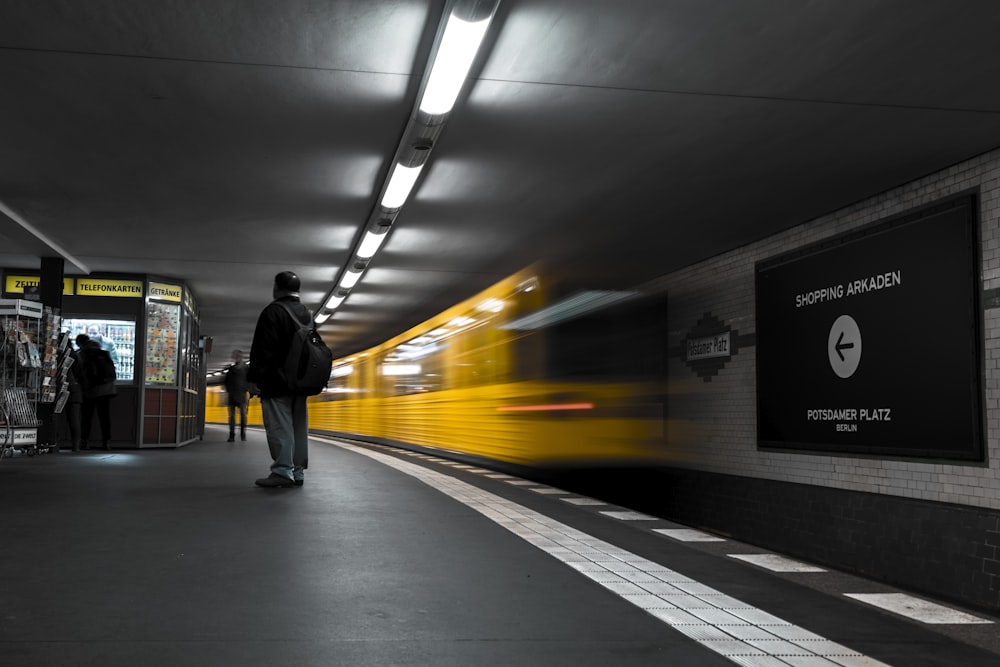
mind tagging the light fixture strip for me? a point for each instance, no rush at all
(456, 51)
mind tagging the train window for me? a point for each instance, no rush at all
(414, 367)
(626, 340)
(483, 357)
(344, 381)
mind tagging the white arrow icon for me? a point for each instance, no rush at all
(844, 346)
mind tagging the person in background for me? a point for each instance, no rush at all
(285, 416)
(69, 418)
(108, 345)
(98, 373)
(237, 388)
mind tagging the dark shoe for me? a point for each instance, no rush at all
(299, 482)
(231, 439)
(106, 446)
(275, 481)
(243, 437)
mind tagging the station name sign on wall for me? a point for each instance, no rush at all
(870, 343)
(709, 346)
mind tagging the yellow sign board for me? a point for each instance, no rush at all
(107, 287)
(16, 284)
(165, 292)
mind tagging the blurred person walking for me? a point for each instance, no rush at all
(237, 388)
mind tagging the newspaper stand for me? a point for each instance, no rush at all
(22, 368)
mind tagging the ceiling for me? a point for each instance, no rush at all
(223, 141)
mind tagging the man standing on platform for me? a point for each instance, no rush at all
(285, 418)
(236, 388)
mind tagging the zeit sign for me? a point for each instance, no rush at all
(870, 343)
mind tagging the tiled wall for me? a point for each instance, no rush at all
(894, 503)
(724, 409)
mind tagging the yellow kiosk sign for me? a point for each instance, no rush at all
(165, 292)
(105, 287)
(16, 284)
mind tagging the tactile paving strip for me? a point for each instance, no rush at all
(744, 634)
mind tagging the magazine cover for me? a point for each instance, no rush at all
(61, 401)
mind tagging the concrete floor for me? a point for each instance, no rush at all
(173, 557)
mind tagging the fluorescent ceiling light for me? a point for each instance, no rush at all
(321, 317)
(370, 245)
(451, 64)
(334, 301)
(350, 279)
(400, 184)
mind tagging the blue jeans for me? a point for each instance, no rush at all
(287, 425)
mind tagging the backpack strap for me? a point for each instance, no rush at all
(291, 313)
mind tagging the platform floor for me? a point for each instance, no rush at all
(173, 557)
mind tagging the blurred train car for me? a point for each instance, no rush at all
(511, 376)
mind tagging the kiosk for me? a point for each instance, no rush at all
(149, 325)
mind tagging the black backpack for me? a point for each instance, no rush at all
(306, 370)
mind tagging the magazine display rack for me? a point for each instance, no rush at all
(28, 373)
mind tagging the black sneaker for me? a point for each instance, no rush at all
(274, 481)
(299, 482)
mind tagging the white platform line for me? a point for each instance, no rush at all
(630, 516)
(776, 563)
(917, 609)
(708, 621)
(688, 535)
(584, 501)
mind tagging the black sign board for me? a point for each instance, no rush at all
(870, 343)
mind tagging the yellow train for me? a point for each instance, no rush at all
(510, 376)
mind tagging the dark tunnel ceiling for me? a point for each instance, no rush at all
(223, 142)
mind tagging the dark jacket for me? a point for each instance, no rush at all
(97, 370)
(272, 339)
(236, 384)
(74, 378)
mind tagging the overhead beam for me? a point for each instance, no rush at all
(31, 240)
